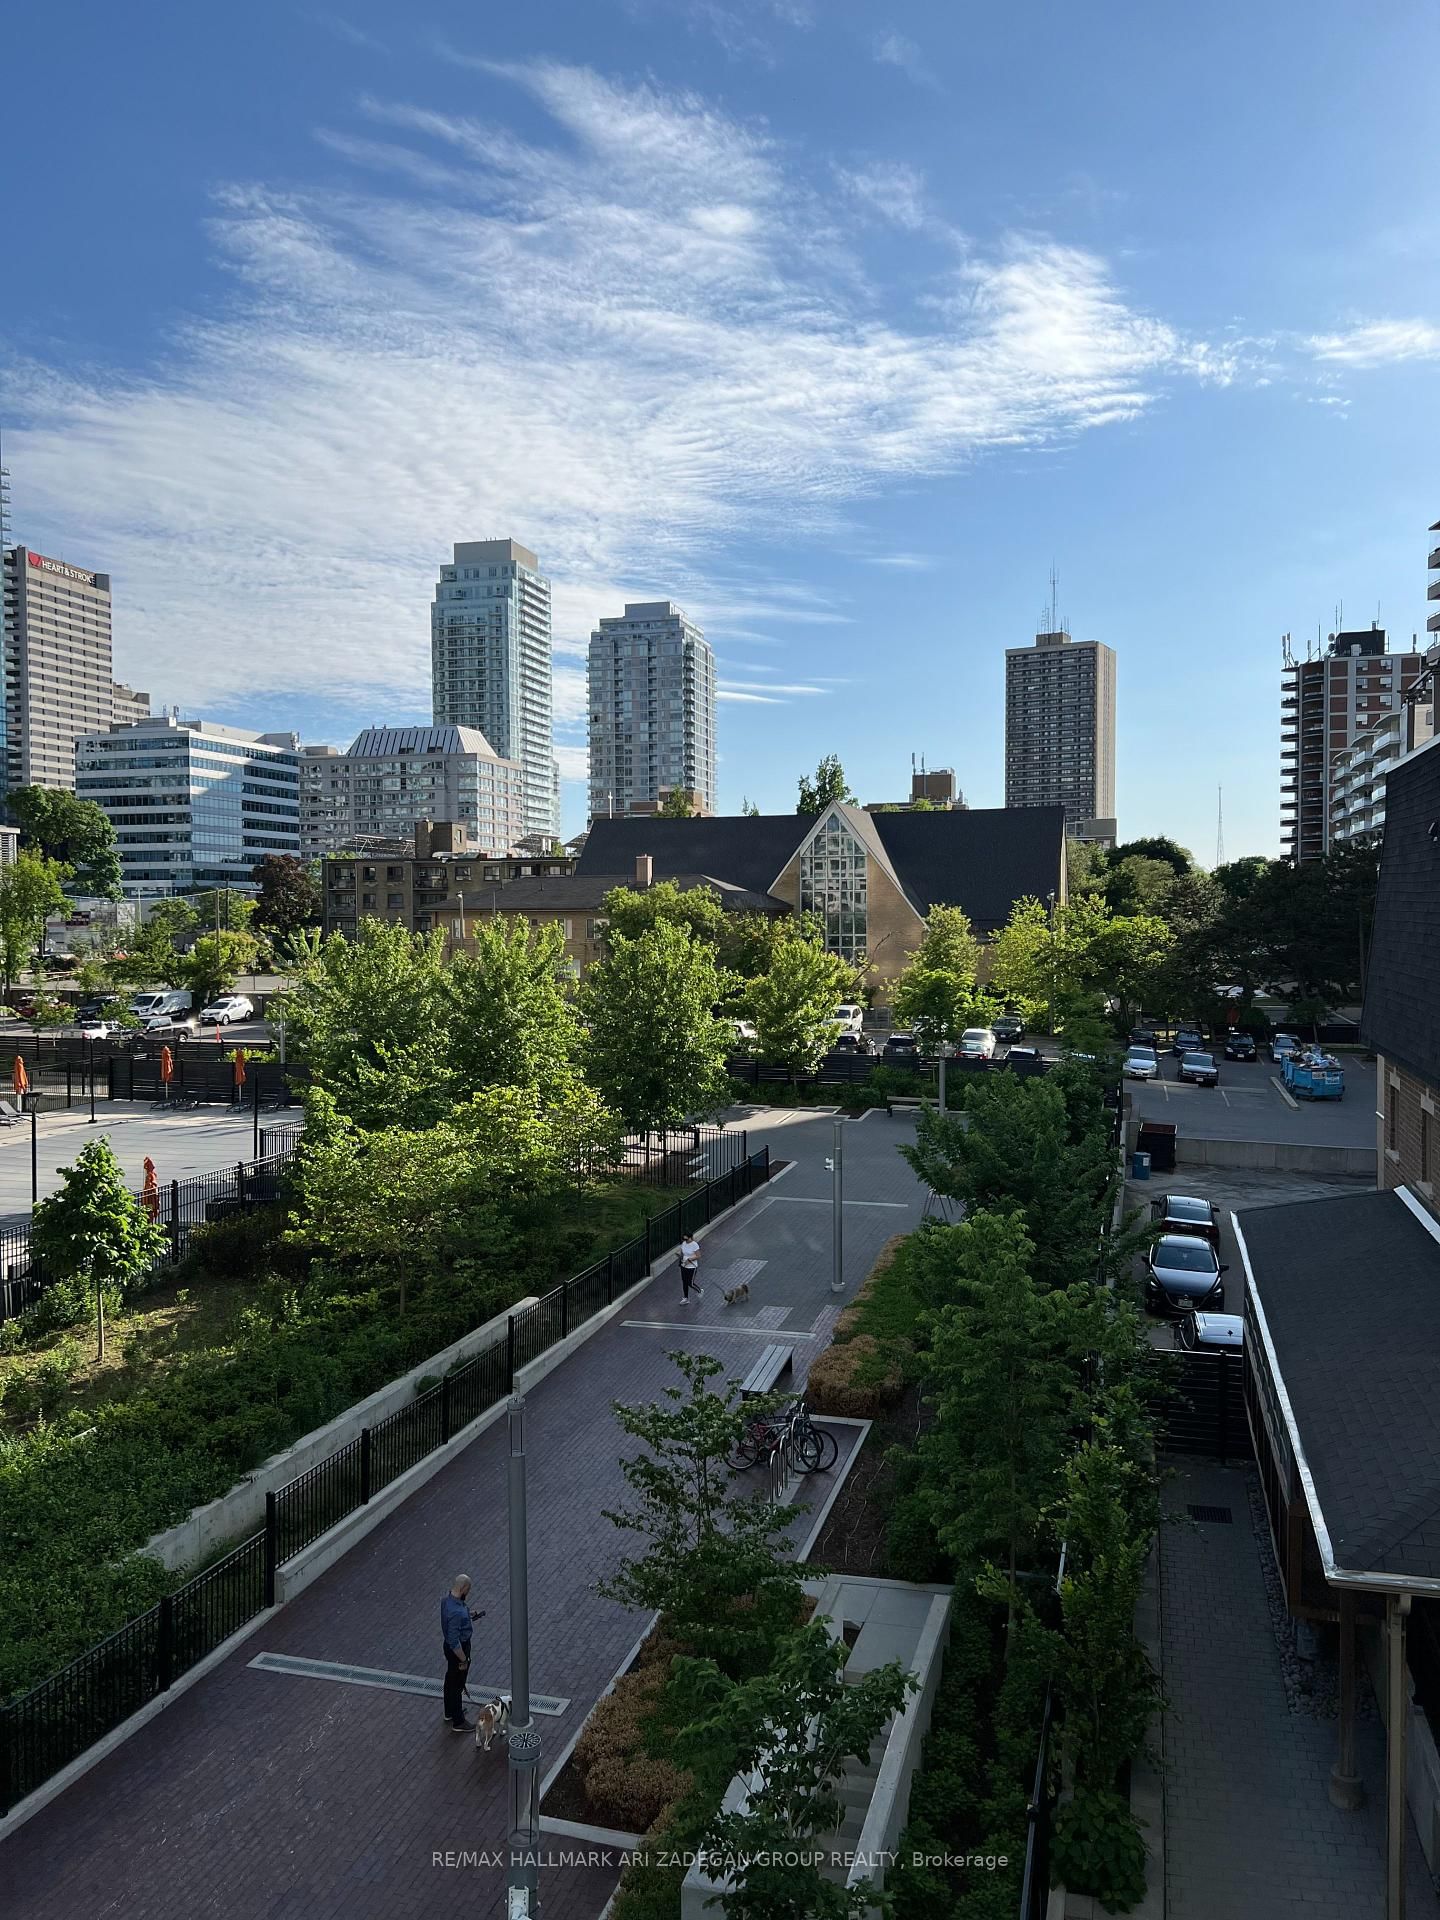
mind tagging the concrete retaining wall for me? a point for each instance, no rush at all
(241, 1511)
(1286, 1156)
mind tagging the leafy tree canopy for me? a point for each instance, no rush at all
(215, 963)
(676, 805)
(827, 783)
(513, 1023)
(77, 833)
(631, 911)
(793, 1003)
(289, 896)
(32, 888)
(654, 1048)
(93, 1228)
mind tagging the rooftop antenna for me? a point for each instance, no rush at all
(1052, 623)
(1220, 826)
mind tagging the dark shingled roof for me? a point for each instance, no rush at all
(585, 893)
(983, 860)
(1350, 1290)
(1402, 998)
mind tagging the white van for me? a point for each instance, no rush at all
(849, 1019)
(175, 1001)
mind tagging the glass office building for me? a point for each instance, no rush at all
(193, 805)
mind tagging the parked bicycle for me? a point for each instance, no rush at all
(813, 1449)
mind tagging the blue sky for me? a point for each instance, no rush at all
(837, 323)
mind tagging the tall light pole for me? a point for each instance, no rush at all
(1051, 898)
(522, 1879)
(837, 1209)
(943, 1050)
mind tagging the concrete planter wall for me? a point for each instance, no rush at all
(241, 1511)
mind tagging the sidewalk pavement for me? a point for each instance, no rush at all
(1249, 1828)
(271, 1796)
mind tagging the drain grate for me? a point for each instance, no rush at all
(1216, 1516)
(418, 1683)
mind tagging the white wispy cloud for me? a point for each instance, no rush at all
(740, 26)
(347, 31)
(891, 188)
(632, 343)
(1378, 342)
(894, 50)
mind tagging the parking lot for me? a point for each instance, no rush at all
(1250, 1103)
(180, 1144)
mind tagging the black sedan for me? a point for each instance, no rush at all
(1199, 1068)
(1008, 1028)
(1187, 1040)
(902, 1050)
(1183, 1273)
(1240, 1046)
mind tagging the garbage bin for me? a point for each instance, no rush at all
(1157, 1138)
(1140, 1166)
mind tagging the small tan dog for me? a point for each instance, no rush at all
(491, 1719)
(733, 1294)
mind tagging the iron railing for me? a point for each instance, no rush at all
(178, 1206)
(55, 1722)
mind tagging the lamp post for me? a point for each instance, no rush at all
(522, 1880)
(34, 1153)
(837, 1209)
(90, 1047)
(943, 1050)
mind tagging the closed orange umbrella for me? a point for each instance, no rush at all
(239, 1066)
(19, 1078)
(150, 1192)
(167, 1065)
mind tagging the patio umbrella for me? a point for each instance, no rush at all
(239, 1066)
(167, 1065)
(19, 1078)
(150, 1192)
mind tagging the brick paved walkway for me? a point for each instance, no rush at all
(1249, 1828)
(266, 1796)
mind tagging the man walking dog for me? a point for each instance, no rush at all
(690, 1269)
(457, 1619)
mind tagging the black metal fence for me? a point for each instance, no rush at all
(53, 1724)
(178, 1206)
(1204, 1411)
(1039, 1812)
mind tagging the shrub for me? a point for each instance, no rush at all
(858, 1379)
(633, 1794)
(239, 1246)
(1098, 1849)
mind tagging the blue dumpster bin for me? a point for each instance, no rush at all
(1140, 1166)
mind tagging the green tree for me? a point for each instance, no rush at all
(289, 898)
(631, 911)
(224, 910)
(827, 784)
(654, 1048)
(1137, 884)
(793, 1004)
(371, 1021)
(936, 993)
(747, 942)
(676, 805)
(714, 1562)
(1157, 846)
(1003, 1378)
(792, 1732)
(513, 1024)
(152, 957)
(215, 963)
(31, 889)
(1086, 866)
(75, 833)
(749, 810)
(95, 1232)
(1033, 1147)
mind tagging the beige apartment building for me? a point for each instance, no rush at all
(58, 679)
(1060, 731)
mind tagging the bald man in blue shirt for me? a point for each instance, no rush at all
(457, 1617)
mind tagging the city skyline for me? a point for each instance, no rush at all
(842, 366)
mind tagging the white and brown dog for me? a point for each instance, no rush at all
(491, 1719)
(732, 1296)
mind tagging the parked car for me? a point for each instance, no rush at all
(845, 1043)
(1145, 1037)
(96, 1029)
(1200, 1068)
(171, 1000)
(230, 1006)
(97, 1009)
(1185, 1213)
(1187, 1040)
(1009, 1028)
(181, 1028)
(977, 1043)
(902, 1049)
(1141, 1063)
(850, 1018)
(1240, 1046)
(1183, 1272)
(1024, 1057)
(1281, 1044)
(1210, 1333)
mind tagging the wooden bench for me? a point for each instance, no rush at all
(905, 1103)
(768, 1371)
